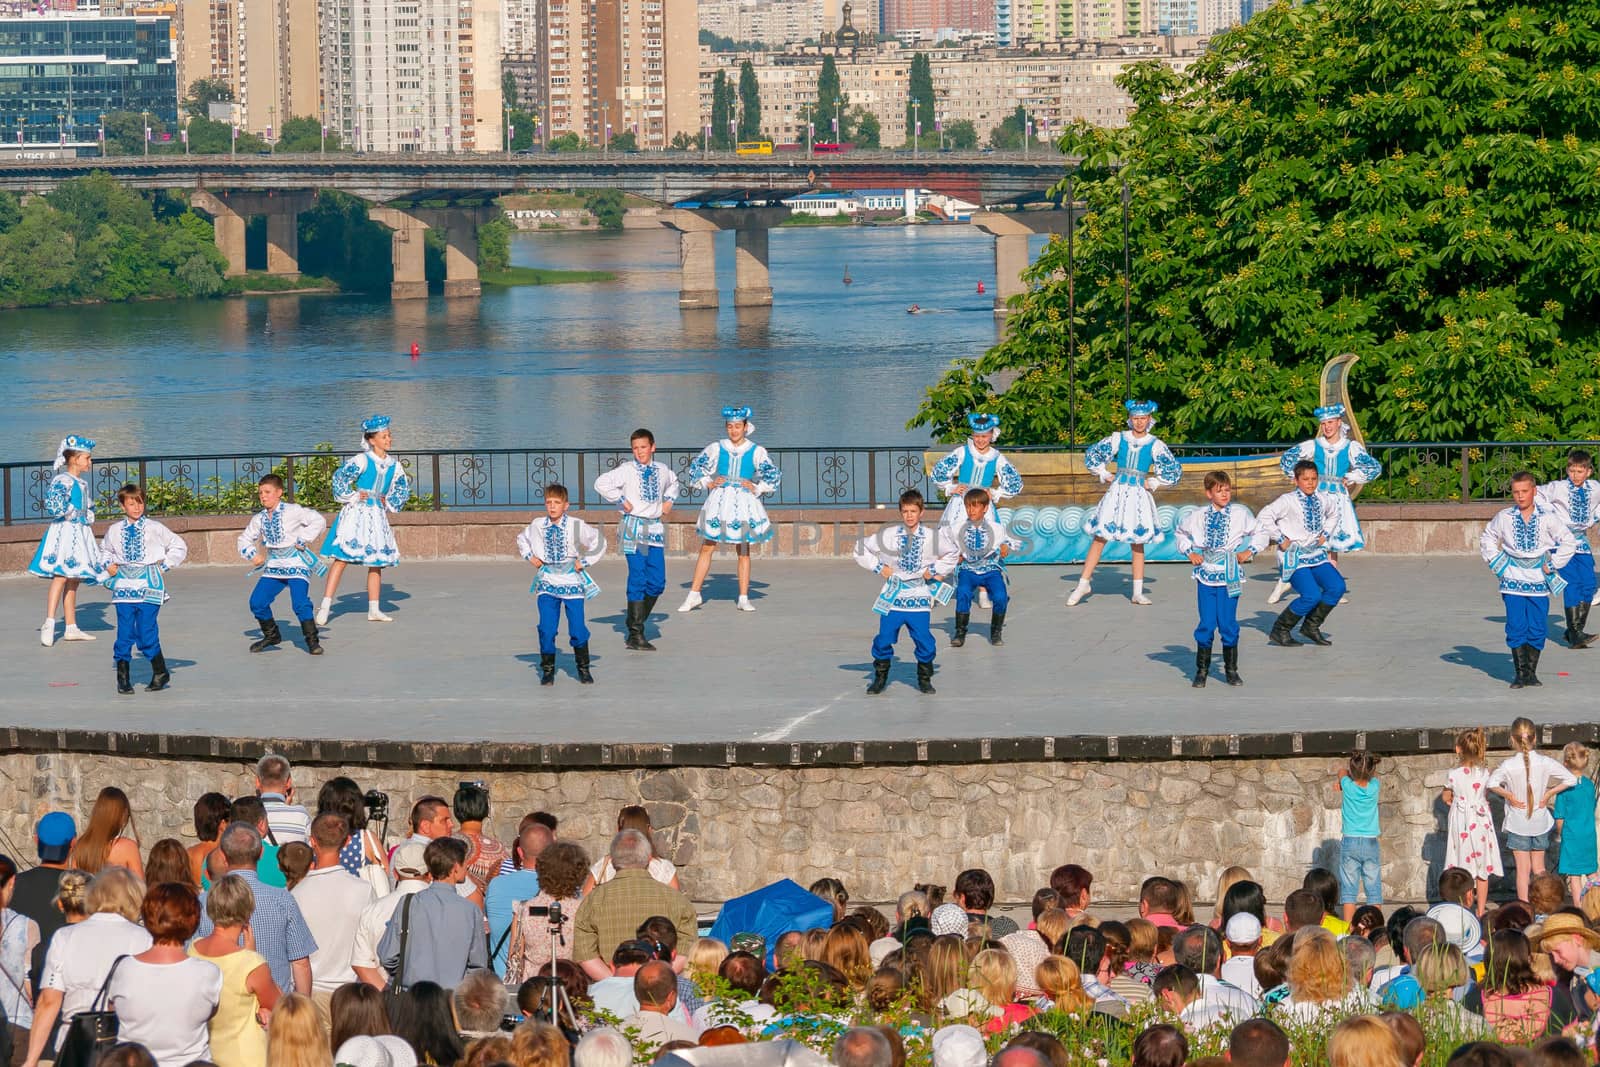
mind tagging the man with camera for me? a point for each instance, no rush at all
(411, 876)
(442, 934)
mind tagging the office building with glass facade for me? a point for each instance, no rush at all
(61, 74)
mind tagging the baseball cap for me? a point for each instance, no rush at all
(959, 1046)
(56, 831)
(949, 919)
(1242, 929)
(410, 859)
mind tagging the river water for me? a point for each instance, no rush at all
(569, 366)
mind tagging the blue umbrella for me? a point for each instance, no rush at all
(772, 911)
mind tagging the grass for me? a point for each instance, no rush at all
(801, 218)
(540, 276)
(262, 282)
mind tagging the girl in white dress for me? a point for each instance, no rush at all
(1470, 841)
(1528, 781)
(739, 473)
(1127, 512)
(68, 554)
(369, 485)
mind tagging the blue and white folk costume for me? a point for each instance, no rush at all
(285, 533)
(1579, 507)
(732, 514)
(68, 549)
(979, 566)
(969, 467)
(1309, 522)
(1527, 554)
(1127, 512)
(1341, 464)
(562, 547)
(367, 488)
(143, 551)
(648, 489)
(907, 598)
(1218, 535)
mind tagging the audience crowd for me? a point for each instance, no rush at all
(295, 935)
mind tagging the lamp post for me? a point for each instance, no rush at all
(61, 130)
(322, 149)
(705, 142)
(1027, 132)
(916, 128)
(185, 135)
(272, 121)
(605, 129)
(145, 115)
(105, 148)
(733, 135)
(511, 131)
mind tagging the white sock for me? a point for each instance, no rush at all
(49, 620)
(327, 602)
(1083, 583)
(1138, 587)
(372, 607)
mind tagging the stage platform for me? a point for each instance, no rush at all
(1418, 647)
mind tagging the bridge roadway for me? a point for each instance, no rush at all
(1419, 645)
(981, 178)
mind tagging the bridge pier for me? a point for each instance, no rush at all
(752, 287)
(1011, 231)
(230, 211)
(697, 263)
(458, 225)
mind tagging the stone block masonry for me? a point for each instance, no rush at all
(878, 828)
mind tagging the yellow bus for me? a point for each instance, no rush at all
(755, 148)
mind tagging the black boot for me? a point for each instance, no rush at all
(270, 636)
(124, 686)
(1280, 629)
(997, 624)
(308, 628)
(547, 668)
(580, 658)
(959, 638)
(1230, 665)
(1530, 660)
(925, 677)
(1583, 620)
(1519, 666)
(1202, 666)
(160, 677)
(1311, 629)
(1576, 638)
(880, 676)
(635, 623)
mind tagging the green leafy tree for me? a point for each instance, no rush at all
(832, 103)
(961, 134)
(868, 132)
(722, 109)
(522, 129)
(567, 142)
(214, 138)
(339, 241)
(624, 142)
(1415, 184)
(305, 135)
(10, 212)
(749, 104)
(606, 206)
(203, 92)
(125, 132)
(920, 89)
(508, 87)
(685, 141)
(494, 245)
(1007, 137)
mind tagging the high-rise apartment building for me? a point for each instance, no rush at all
(929, 17)
(609, 67)
(566, 50)
(208, 43)
(413, 75)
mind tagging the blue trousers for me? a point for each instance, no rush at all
(647, 573)
(136, 625)
(1322, 584)
(1579, 576)
(889, 632)
(550, 622)
(1218, 611)
(968, 584)
(1526, 619)
(267, 590)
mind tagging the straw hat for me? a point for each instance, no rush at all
(1563, 925)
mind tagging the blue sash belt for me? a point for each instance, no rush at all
(589, 586)
(1130, 478)
(1232, 573)
(317, 566)
(1505, 561)
(634, 533)
(155, 590)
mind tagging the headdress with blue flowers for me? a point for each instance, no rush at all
(1329, 411)
(739, 414)
(1146, 408)
(73, 442)
(372, 424)
(984, 423)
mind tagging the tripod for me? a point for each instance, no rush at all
(557, 1006)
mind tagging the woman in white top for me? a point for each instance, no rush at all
(1528, 781)
(80, 957)
(19, 936)
(163, 997)
(633, 817)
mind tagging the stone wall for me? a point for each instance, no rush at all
(879, 828)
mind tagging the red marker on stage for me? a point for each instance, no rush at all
(416, 350)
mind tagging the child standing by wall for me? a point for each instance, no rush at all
(1528, 781)
(1576, 499)
(1359, 865)
(138, 553)
(1470, 839)
(1574, 815)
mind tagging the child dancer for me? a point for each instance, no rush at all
(645, 491)
(739, 473)
(67, 554)
(1127, 512)
(1574, 815)
(975, 465)
(983, 545)
(276, 541)
(369, 484)
(138, 553)
(1526, 545)
(1302, 524)
(1341, 463)
(1471, 842)
(1217, 539)
(1576, 499)
(908, 555)
(1528, 781)
(563, 547)
(1360, 868)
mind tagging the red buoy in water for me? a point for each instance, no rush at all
(416, 349)
(980, 287)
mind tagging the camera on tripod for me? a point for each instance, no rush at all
(377, 804)
(553, 911)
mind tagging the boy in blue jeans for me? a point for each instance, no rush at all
(984, 545)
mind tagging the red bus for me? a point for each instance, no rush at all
(824, 148)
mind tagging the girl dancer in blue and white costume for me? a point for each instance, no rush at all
(1127, 512)
(975, 465)
(739, 473)
(1341, 463)
(370, 484)
(68, 554)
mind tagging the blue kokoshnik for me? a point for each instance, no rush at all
(1504, 561)
(564, 580)
(139, 583)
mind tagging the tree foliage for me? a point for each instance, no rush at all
(1007, 137)
(339, 241)
(1415, 181)
(722, 112)
(607, 208)
(920, 89)
(961, 134)
(304, 134)
(833, 103)
(522, 129)
(567, 142)
(203, 92)
(868, 132)
(494, 245)
(749, 103)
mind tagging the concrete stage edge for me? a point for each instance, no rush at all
(451, 683)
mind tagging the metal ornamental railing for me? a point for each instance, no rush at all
(488, 479)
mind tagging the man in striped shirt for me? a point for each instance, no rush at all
(286, 820)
